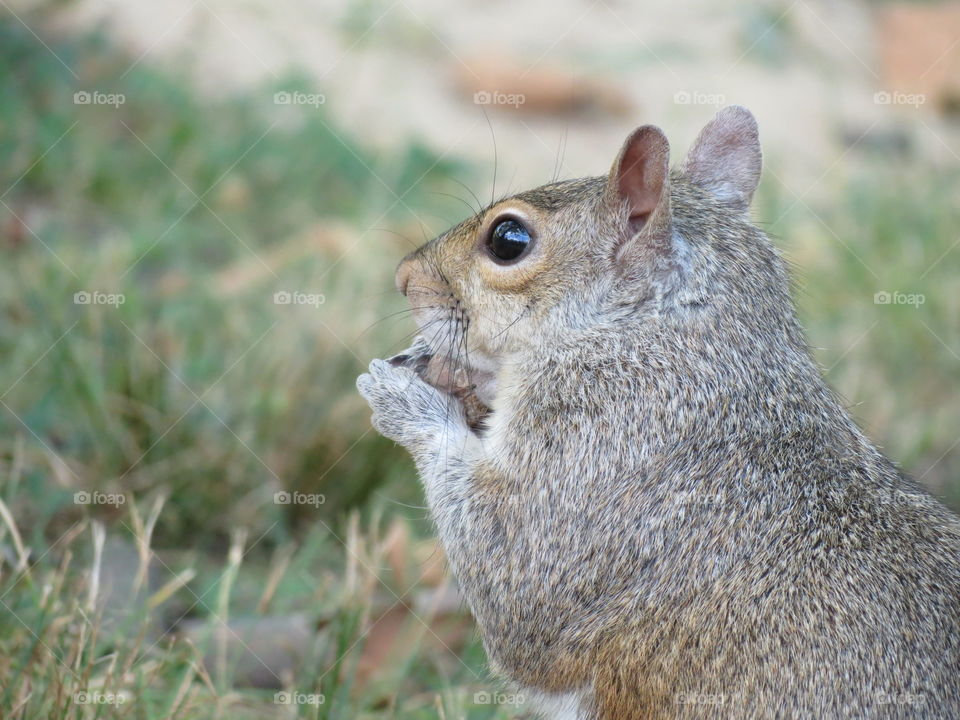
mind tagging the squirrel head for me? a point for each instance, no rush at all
(581, 251)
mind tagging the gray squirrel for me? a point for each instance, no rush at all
(654, 505)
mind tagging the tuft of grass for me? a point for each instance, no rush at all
(78, 639)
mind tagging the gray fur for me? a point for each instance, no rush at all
(670, 514)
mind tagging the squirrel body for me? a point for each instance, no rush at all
(666, 512)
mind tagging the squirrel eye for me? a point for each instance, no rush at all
(508, 240)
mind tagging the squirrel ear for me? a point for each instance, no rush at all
(726, 159)
(639, 183)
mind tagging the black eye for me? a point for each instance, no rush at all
(508, 240)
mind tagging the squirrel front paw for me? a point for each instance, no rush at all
(405, 408)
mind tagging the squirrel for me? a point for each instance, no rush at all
(656, 507)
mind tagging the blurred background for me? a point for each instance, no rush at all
(202, 204)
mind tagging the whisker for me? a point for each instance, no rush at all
(493, 136)
(466, 187)
(473, 210)
(397, 234)
(417, 331)
(520, 315)
(391, 316)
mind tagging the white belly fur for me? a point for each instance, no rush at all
(565, 706)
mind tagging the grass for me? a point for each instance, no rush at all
(200, 397)
(196, 212)
(64, 655)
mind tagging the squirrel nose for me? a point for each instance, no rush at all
(404, 271)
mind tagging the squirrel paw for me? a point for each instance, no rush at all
(405, 408)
